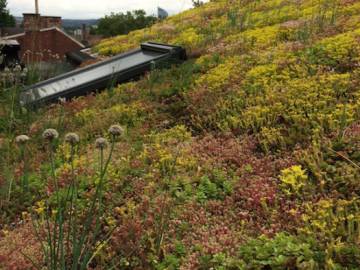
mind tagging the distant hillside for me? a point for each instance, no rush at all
(70, 23)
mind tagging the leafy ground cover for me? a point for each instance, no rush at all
(244, 157)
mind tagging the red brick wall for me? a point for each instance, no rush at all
(31, 22)
(35, 22)
(48, 45)
(49, 21)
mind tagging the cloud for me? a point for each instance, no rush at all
(86, 9)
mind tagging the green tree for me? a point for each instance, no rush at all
(6, 19)
(197, 3)
(122, 23)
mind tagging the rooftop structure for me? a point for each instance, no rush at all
(43, 39)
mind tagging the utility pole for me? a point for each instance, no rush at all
(36, 7)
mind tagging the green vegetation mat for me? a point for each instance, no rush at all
(247, 156)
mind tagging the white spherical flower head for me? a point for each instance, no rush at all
(22, 139)
(23, 75)
(101, 143)
(50, 134)
(17, 68)
(116, 130)
(72, 138)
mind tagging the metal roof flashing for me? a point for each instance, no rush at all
(9, 42)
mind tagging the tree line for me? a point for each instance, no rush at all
(123, 23)
(6, 19)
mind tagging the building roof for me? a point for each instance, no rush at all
(9, 42)
(48, 29)
(79, 57)
(46, 16)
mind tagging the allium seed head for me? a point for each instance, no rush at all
(17, 68)
(50, 134)
(116, 130)
(22, 139)
(72, 138)
(101, 143)
(23, 74)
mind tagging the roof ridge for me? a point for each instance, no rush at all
(48, 29)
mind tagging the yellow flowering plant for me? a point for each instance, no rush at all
(293, 180)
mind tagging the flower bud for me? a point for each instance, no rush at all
(22, 139)
(72, 139)
(101, 143)
(50, 134)
(116, 130)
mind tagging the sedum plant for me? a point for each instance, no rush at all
(293, 180)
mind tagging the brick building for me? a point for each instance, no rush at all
(33, 22)
(43, 39)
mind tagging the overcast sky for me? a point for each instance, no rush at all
(90, 9)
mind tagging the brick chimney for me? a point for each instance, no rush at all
(31, 22)
(84, 32)
(50, 21)
(35, 22)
